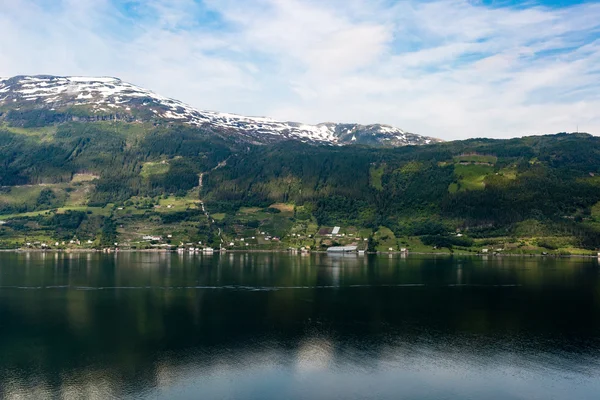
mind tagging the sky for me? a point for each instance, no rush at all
(451, 69)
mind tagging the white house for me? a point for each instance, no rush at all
(150, 237)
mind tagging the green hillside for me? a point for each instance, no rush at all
(93, 184)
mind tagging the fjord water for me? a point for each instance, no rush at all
(278, 326)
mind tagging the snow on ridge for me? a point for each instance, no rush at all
(108, 93)
(389, 129)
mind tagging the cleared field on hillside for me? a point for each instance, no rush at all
(154, 168)
(470, 177)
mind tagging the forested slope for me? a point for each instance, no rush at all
(485, 186)
(115, 181)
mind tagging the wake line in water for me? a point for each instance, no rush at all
(247, 288)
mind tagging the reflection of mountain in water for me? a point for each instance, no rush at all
(140, 324)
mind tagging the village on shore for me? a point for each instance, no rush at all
(332, 241)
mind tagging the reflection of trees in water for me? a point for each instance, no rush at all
(197, 315)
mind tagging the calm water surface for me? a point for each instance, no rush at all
(276, 326)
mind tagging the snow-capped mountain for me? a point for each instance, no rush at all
(111, 98)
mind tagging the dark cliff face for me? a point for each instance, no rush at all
(41, 117)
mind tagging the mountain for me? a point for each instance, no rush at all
(105, 98)
(90, 163)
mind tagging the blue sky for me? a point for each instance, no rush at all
(445, 68)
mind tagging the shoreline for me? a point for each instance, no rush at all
(112, 251)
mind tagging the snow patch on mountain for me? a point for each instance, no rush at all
(102, 94)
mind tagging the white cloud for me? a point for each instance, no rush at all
(445, 68)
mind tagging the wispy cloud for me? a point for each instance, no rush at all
(446, 68)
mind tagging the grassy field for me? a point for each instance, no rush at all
(476, 158)
(284, 208)
(509, 172)
(470, 177)
(596, 212)
(375, 176)
(44, 134)
(386, 239)
(154, 168)
(218, 216)
(25, 215)
(249, 210)
(174, 204)
(415, 245)
(79, 194)
(68, 196)
(78, 178)
(21, 194)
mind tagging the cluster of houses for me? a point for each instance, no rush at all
(244, 241)
(47, 246)
(153, 238)
(303, 250)
(196, 250)
(354, 248)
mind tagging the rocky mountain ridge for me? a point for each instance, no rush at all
(107, 98)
